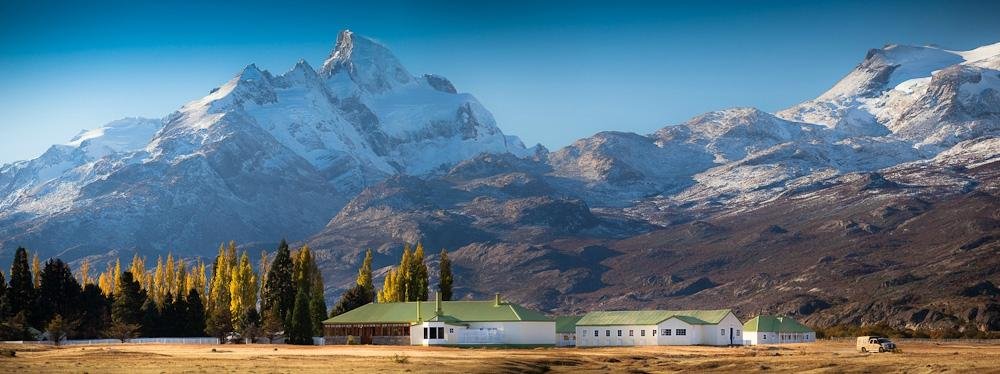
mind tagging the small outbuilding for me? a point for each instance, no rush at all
(659, 327)
(441, 323)
(776, 330)
(566, 330)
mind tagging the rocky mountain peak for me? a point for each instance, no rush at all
(368, 63)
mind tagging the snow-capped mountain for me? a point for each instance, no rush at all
(261, 157)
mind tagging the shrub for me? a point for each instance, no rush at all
(400, 359)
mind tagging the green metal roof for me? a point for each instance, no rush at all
(652, 317)
(775, 324)
(454, 312)
(567, 324)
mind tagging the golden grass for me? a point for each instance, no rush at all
(820, 357)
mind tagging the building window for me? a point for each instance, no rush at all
(440, 332)
(654, 332)
(595, 333)
(607, 332)
(642, 332)
(619, 332)
(425, 333)
(631, 332)
(737, 332)
(434, 333)
(451, 331)
(764, 337)
(682, 332)
(666, 332)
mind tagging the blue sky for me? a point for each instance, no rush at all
(551, 72)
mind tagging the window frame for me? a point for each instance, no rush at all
(682, 332)
(666, 332)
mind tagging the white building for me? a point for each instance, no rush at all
(659, 327)
(776, 330)
(441, 323)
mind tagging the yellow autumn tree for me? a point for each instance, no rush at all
(242, 287)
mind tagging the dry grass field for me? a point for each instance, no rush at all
(821, 357)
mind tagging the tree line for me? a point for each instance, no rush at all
(169, 300)
(175, 299)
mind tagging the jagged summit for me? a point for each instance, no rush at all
(368, 63)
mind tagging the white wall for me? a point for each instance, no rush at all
(757, 337)
(585, 335)
(719, 334)
(517, 332)
(695, 334)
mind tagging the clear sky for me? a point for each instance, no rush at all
(550, 72)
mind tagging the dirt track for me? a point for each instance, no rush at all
(821, 357)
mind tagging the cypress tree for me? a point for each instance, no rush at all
(95, 312)
(354, 298)
(4, 310)
(129, 298)
(170, 318)
(195, 314)
(279, 289)
(58, 292)
(300, 327)
(151, 322)
(219, 323)
(21, 295)
(444, 276)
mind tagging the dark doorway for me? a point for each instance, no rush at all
(730, 336)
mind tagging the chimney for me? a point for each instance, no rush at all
(496, 302)
(437, 304)
(419, 318)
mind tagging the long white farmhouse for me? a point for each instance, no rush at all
(659, 327)
(441, 323)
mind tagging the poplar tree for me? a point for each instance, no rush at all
(21, 295)
(219, 297)
(403, 276)
(386, 295)
(419, 275)
(242, 288)
(279, 289)
(138, 269)
(444, 276)
(36, 270)
(158, 286)
(365, 273)
(85, 272)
